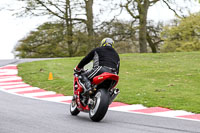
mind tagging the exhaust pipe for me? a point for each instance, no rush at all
(114, 94)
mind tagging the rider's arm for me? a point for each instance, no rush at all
(86, 59)
(118, 65)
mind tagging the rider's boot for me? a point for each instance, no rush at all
(87, 84)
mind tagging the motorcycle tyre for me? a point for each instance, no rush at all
(103, 106)
(74, 110)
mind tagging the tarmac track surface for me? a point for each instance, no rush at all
(25, 115)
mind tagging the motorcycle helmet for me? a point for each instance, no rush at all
(107, 42)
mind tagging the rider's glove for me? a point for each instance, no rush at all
(76, 69)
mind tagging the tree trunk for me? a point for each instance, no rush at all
(89, 14)
(143, 9)
(151, 44)
(89, 22)
(69, 27)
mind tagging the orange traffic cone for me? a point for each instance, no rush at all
(50, 76)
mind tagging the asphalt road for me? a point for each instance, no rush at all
(25, 115)
(17, 61)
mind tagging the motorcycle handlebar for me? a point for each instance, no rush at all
(79, 72)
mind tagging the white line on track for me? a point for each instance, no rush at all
(11, 83)
(10, 78)
(40, 93)
(172, 113)
(23, 89)
(14, 86)
(58, 99)
(126, 108)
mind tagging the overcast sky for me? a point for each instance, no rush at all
(13, 29)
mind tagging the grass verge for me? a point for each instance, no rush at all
(170, 80)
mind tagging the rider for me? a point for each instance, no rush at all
(105, 59)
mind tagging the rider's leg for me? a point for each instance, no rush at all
(86, 82)
(89, 75)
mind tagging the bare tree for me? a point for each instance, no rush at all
(138, 10)
(65, 10)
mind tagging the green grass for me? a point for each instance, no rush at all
(170, 80)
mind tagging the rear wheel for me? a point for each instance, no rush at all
(73, 107)
(100, 105)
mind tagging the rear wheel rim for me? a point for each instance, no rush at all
(97, 100)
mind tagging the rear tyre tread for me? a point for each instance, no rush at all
(103, 106)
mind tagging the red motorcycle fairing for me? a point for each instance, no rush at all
(77, 90)
(100, 78)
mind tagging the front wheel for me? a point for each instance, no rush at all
(73, 107)
(100, 105)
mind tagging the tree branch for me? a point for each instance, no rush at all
(171, 8)
(51, 3)
(153, 2)
(129, 11)
(49, 10)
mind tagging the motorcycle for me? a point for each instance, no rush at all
(98, 99)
